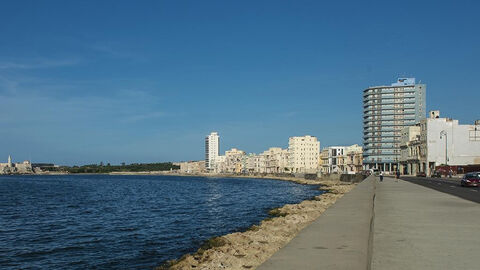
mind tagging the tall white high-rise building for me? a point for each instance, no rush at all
(212, 145)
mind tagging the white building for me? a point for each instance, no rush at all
(442, 141)
(335, 158)
(304, 154)
(445, 141)
(342, 159)
(220, 164)
(212, 145)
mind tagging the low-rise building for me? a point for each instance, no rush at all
(234, 161)
(410, 150)
(192, 167)
(324, 163)
(442, 141)
(342, 159)
(354, 161)
(275, 160)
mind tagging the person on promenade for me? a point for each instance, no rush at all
(381, 176)
(398, 175)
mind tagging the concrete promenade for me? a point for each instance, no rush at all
(338, 239)
(388, 225)
(420, 228)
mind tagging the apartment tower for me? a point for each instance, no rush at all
(303, 154)
(211, 150)
(386, 111)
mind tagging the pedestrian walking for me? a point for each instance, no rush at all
(381, 176)
(398, 175)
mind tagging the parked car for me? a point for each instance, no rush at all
(437, 174)
(471, 180)
(421, 174)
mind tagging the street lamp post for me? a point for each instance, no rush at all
(444, 133)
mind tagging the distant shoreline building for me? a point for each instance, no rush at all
(386, 111)
(212, 147)
(341, 159)
(16, 168)
(303, 154)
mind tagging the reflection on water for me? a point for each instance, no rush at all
(101, 221)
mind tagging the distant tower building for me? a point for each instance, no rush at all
(9, 161)
(386, 111)
(212, 146)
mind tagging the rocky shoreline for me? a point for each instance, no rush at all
(249, 249)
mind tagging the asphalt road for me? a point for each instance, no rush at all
(447, 185)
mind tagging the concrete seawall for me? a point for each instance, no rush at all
(338, 239)
(387, 225)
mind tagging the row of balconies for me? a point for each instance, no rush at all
(389, 95)
(380, 136)
(389, 100)
(391, 105)
(389, 118)
(390, 112)
(379, 108)
(386, 124)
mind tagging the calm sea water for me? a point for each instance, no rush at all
(126, 222)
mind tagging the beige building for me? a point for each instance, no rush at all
(342, 159)
(234, 161)
(354, 159)
(304, 154)
(275, 160)
(192, 167)
(16, 168)
(324, 164)
(410, 147)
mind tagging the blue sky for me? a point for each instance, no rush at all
(145, 81)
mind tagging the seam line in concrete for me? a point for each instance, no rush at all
(371, 232)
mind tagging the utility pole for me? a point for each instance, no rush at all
(444, 133)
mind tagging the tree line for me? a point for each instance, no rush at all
(134, 167)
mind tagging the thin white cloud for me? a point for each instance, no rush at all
(38, 63)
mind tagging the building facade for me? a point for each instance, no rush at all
(212, 147)
(324, 163)
(354, 159)
(410, 147)
(303, 154)
(440, 141)
(445, 142)
(275, 160)
(16, 168)
(192, 167)
(386, 111)
(341, 159)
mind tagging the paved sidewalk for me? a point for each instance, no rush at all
(338, 239)
(420, 228)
